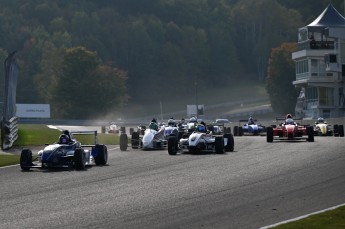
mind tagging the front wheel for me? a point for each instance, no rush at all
(219, 145)
(269, 134)
(79, 159)
(310, 132)
(229, 147)
(123, 142)
(25, 159)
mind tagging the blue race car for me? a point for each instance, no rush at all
(67, 152)
(250, 128)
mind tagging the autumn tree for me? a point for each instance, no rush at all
(281, 74)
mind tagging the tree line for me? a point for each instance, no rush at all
(101, 54)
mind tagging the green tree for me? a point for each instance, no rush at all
(85, 88)
(261, 25)
(281, 73)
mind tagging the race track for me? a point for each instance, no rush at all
(257, 185)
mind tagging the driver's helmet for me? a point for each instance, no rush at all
(193, 119)
(200, 128)
(288, 116)
(153, 126)
(63, 139)
(289, 121)
(171, 122)
(250, 120)
(154, 120)
(320, 120)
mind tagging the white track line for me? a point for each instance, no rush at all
(302, 217)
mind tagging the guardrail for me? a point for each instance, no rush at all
(9, 133)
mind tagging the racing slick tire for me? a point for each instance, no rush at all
(102, 155)
(123, 142)
(269, 135)
(230, 144)
(172, 145)
(219, 145)
(336, 130)
(79, 161)
(341, 130)
(25, 159)
(135, 140)
(235, 130)
(310, 132)
(240, 131)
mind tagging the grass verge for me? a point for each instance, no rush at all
(6, 160)
(333, 219)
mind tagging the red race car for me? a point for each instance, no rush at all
(290, 130)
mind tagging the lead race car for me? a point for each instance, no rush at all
(67, 152)
(153, 138)
(290, 130)
(212, 140)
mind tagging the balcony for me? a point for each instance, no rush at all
(317, 77)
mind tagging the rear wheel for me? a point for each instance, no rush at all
(235, 130)
(341, 130)
(310, 132)
(219, 145)
(269, 134)
(172, 145)
(229, 147)
(336, 130)
(26, 159)
(123, 142)
(240, 131)
(79, 159)
(102, 155)
(135, 140)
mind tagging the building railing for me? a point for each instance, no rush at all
(311, 44)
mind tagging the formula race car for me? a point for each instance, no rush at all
(113, 128)
(249, 128)
(290, 130)
(212, 140)
(67, 152)
(321, 128)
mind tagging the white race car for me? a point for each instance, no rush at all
(202, 140)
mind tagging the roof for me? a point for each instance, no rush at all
(330, 17)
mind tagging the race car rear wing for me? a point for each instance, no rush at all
(246, 120)
(295, 120)
(86, 132)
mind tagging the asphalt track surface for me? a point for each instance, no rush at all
(258, 184)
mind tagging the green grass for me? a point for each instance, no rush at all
(6, 160)
(334, 219)
(35, 135)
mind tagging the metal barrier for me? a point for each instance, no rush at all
(9, 133)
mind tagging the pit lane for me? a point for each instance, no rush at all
(258, 184)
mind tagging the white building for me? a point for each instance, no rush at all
(320, 66)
